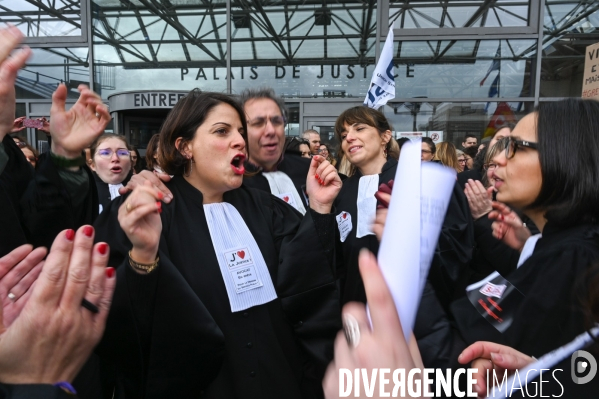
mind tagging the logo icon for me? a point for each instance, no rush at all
(582, 362)
(491, 289)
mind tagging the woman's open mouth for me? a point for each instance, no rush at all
(116, 169)
(237, 164)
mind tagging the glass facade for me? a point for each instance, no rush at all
(452, 58)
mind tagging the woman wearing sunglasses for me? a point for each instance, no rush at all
(537, 307)
(111, 163)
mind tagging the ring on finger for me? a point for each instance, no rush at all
(129, 207)
(12, 296)
(351, 328)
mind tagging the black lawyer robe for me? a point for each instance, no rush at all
(552, 280)
(172, 333)
(35, 204)
(432, 329)
(292, 165)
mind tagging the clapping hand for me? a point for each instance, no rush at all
(9, 66)
(77, 128)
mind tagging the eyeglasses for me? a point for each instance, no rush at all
(260, 122)
(489, 166)
(323, 150)
(107, 153)
(462, 160)
(20, 144)
(511, 146)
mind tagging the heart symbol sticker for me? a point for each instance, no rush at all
(241, 254)
(286, 198)
(344, 215)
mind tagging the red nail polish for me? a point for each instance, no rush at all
(159, 206)
(160, 195)
(70, 234)
(109, 272)
(103, 248)
(317, 177)
(88, 231)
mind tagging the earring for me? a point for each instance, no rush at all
(385, 153)
(188, 173)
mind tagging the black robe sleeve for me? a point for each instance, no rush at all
(306, 281)
(47, 208)
(147, 338)
(33, 391)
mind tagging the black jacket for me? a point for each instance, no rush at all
(292, 165)
(550, 312)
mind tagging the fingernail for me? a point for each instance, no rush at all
(160, 195)
(70, 234)
(321, 181)
(496, 357)
(159, 206)
(103, 248)
(390, 183)
(168, 199)
(109, 272)
(316, 176)
(88, 231)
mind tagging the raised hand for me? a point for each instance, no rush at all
(382, 346)
(18, 125)
(508, 226)
(18, 271)
(490, 356)
(54, 334)
(77, 128)
(322, 184)
(479, 198)
(9, 66)
(139, 217)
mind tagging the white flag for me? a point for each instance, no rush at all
(382, 85)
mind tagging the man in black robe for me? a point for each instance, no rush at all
(267, 116)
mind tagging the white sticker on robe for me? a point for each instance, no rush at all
(241, 266)
(288, 198)
(245, 279)
(344, 224)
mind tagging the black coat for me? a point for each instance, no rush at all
(432, 328)
(292, 165)
(35, 205)
(32, 391)
(172, 333)
(550, 313)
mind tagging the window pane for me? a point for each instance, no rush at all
(453, 120)
(46, 18)
(50, 66)
(568, 29)
(410, 14)
(464, 68)
(171, 46)
(303, 50)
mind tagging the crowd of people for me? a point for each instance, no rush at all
(241, 260)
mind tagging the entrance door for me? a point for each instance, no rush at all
(139, 130)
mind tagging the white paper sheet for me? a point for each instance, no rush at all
(410, 236)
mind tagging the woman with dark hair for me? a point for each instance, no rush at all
(297, 146)
(111, 164)
(428, 149)
(364, 134)
(226, 291)
(152, 154)
(135, 160)
(536, 174)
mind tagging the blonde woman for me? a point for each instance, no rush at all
(446, 154)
